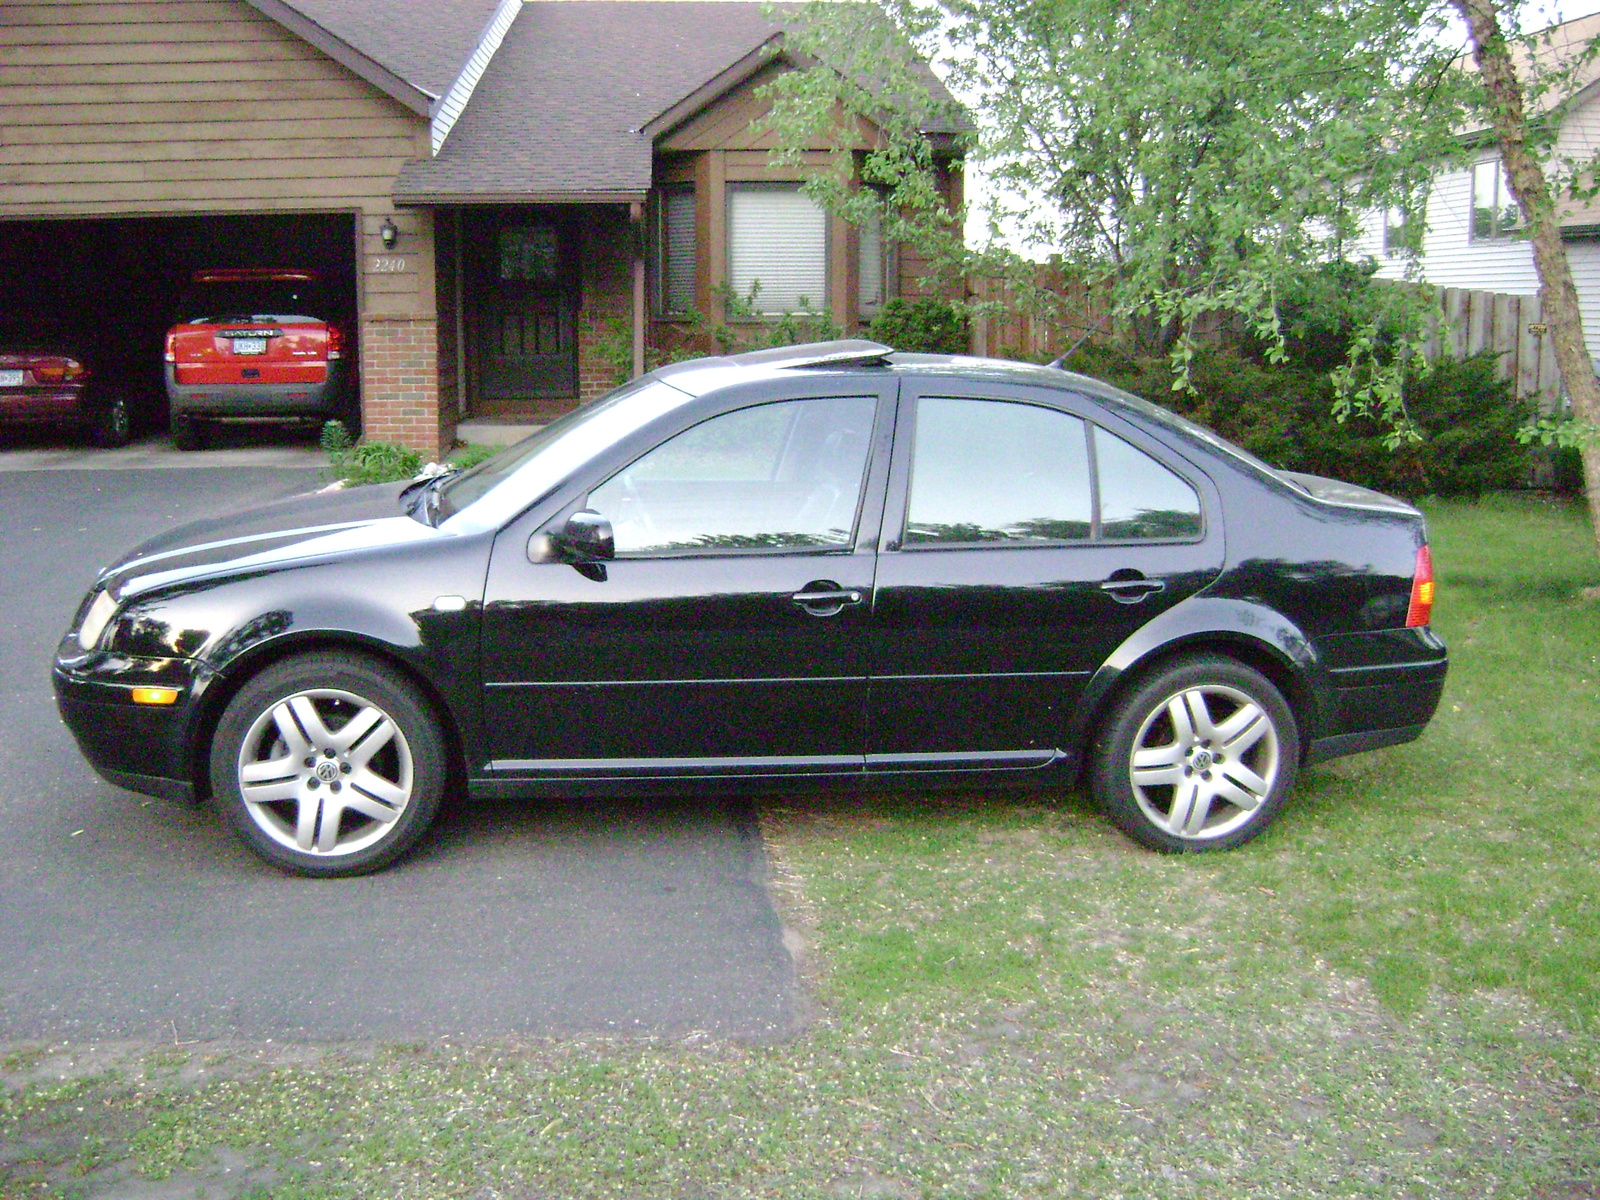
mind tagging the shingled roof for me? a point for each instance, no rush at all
(561, 112)
(387, 35)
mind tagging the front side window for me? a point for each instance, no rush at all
(1494, 209)
(988, 472)
(783, 476)
(777, 248)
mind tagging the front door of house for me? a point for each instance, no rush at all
(526, 320)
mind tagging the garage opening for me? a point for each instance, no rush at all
(112, 286)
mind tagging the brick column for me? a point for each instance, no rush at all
(400, 382)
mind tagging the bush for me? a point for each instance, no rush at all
(384, 462)
(1284, 414)
(926, 325)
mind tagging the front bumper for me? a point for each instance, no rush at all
(144, 748)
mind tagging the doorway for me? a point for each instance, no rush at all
(523, 315)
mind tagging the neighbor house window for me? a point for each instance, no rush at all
(1494, 209)
(777, 248)
(875, 269)
(677, 249)
(1402, 232)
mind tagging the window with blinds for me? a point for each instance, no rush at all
(872, 269)
(777, 237)
(677, 250)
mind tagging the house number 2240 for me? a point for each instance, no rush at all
(383, 265)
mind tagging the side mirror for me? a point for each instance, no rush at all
(585, 538)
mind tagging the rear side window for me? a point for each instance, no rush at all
(1140, 498)
(985, 471)
(991, 472)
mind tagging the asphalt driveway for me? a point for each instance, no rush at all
(123, 917)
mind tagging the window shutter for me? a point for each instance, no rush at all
(677, 251)
(780, 237)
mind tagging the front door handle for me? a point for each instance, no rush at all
(1130, 587)
(824, 597)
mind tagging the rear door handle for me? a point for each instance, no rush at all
(823, 597)
(1133, 589)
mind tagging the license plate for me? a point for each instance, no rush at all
(250, 345)
(10, 378)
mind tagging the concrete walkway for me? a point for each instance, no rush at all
(40, 454)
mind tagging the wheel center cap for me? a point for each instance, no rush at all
(327, 770)
(1202, 760)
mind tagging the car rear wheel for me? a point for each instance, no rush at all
(1199, 756)
(112, 426)
(188, 433)
(328, 764)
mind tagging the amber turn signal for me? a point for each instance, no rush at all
(155, 695)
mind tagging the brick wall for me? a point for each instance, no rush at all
(607, 313)
(400, 383)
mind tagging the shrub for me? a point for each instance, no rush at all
(926, 325)
(1284, 414)
(384, 462)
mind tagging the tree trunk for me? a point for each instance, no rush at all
(1557, 293)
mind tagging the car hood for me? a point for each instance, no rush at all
(271, 535)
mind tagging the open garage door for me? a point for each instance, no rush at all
(113, 286)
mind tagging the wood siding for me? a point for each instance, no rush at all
(133, 107)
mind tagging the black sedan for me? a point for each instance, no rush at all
(819, 565)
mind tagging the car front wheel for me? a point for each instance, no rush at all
(1199, 756)
(328, 764)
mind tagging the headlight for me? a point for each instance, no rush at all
(96, 619)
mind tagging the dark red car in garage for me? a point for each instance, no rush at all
(254, 344)
(49, 377)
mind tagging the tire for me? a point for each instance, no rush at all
(1201, 755)
(112, 426)
(328, 764)
(188, 433)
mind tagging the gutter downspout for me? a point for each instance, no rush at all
(636, 218)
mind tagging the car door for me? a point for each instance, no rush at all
(1026, 536)
(727, 635)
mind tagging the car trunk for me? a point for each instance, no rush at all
(251, 352)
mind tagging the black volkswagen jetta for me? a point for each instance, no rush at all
(823, 564)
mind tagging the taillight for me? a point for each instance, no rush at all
(335, 342)
(171, 354)
(58, 370)
(1421, 609)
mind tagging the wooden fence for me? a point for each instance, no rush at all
(1509, 326)
(1512, 328)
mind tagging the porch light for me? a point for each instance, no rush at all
(389, 233)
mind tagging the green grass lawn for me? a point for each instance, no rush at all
(1393, 992)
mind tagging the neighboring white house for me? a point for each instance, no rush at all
(1472, 234)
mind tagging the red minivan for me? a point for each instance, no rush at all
(255, 344)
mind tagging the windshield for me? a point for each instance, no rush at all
(253, 300)
(521, 474)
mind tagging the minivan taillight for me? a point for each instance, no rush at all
(1421, 609)
(335, 342)
(172, 346)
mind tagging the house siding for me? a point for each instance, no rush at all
(1451, 259)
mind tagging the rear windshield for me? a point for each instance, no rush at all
(257, 300)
